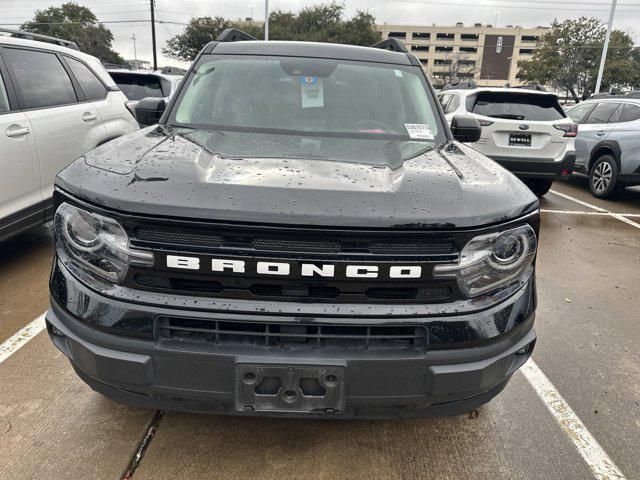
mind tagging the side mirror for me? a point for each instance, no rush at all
(465, 129)
(149, 110)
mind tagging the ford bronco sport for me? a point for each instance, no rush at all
(301, 234)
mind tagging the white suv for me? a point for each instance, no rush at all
(56, 104)
(524, 130)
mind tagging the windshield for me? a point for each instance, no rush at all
(518, 106)
(137, 87)
(289, 107)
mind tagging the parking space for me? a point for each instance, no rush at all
(52, 425)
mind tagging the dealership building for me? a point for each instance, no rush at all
(482, 53)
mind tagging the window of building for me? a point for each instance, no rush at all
(92, 87)
(420, 48)
(466, 75)
(421, 35)
(466, 62)
(445, 36)
(444, 49)
(442, 61)
(397, 35)
(469, 49)
(530, 38)
(424, 61)
(469, 36)
(41, 78)
(526, 51)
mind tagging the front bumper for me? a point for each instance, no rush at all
(141, 372)
(544, 168)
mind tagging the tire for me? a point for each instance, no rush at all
(603, 177)
(538, 186)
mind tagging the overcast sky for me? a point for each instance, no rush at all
(424, 12)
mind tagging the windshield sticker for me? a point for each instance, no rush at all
(419, 130)
(397, 72)
(311, 90)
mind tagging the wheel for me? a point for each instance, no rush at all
(603, 177)
(538, 186)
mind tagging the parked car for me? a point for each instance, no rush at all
(139, 84)
(608, 144)
(301, 235)
(524, 130)
(56, 103)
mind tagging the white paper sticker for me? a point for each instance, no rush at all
(419, 130)
(397, 72)
(311, 90)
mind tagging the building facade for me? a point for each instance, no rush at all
(482, 53)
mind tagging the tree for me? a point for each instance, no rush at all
(319, 23)
(462, 67)
(568, 58)
(73, 22)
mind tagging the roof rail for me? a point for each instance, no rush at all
(467, 85)
(39, 37)
(234, 35)
(633, 94)
(392, 44)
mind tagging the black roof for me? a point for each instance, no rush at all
(308, 49)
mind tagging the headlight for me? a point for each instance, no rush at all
(492, 261)
(95, 243)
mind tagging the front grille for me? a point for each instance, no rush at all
(295, 245)
(302, 242)
(296, 291)
(291, 336)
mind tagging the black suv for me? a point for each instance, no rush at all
(300, 235)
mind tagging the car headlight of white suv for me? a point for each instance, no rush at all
(95, 243)
(492, 261)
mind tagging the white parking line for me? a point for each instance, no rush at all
(617, 216)
(599, 462)
(581, 212)
(19, 339)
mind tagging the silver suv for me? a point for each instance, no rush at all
(608, 143)
(56, 104)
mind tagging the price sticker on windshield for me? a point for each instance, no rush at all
(311, 90)
(419, 130)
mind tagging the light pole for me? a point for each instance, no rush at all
(605, 47)
(135, 53)
(266, 20)
(496, 13)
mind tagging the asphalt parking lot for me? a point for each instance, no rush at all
(585, 425)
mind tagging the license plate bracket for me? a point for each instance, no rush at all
(290, 388)
(519, 139)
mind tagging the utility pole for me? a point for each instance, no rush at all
(605, 47)
(266, 20)
(153, 35)
(135, 53)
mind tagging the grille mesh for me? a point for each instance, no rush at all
(412, 248)
(321, 246)
(200, 239)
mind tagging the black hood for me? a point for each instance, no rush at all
(149, 172)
